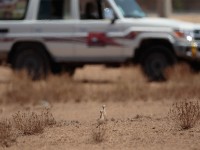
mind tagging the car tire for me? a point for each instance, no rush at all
(195, 66)
(156, 61)
(33, 60)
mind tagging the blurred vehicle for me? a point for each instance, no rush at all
(51, 35)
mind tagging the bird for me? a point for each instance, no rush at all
(101, 119)
(104, 112)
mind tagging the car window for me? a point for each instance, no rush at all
(54, 9)
(13, 9)
(93, 9)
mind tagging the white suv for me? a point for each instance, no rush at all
(51, 35)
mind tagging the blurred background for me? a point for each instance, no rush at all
(165, 8)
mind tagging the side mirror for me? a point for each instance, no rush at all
(108, 14)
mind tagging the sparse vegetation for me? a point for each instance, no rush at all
(99, 134)
(149, 129)
(7, 135)
(129, 86)
(30, 123)
(186, 114)
(48, 118)
(22, 90)
(24, 123)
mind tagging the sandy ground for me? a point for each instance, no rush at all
(132, 125)
(139, 125)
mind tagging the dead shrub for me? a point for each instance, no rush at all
(186, 114)
(29, 123)
(99, 134)
(48, 118)
(7, 135)
(179, 72)
(62, 89)
(23, 90)
(130, 91)
(131, 85)
(20, 90)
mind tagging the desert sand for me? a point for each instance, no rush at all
(137, 110)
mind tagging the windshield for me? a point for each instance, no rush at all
(130, 8)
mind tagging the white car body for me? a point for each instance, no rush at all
(67, 40)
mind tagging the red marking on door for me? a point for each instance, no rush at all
(100, 39)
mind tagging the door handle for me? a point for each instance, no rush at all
(4, 30)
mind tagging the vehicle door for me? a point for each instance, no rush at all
(11, 12)
(100, 39)
(56, 26)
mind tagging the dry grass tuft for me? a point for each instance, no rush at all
(23, 90)
(20, 90)
(7, 136)
(186, 114)
(48, 118)
(62, 89)
(99, 134)
(130, 85)
(30, 123)
(179, 72)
